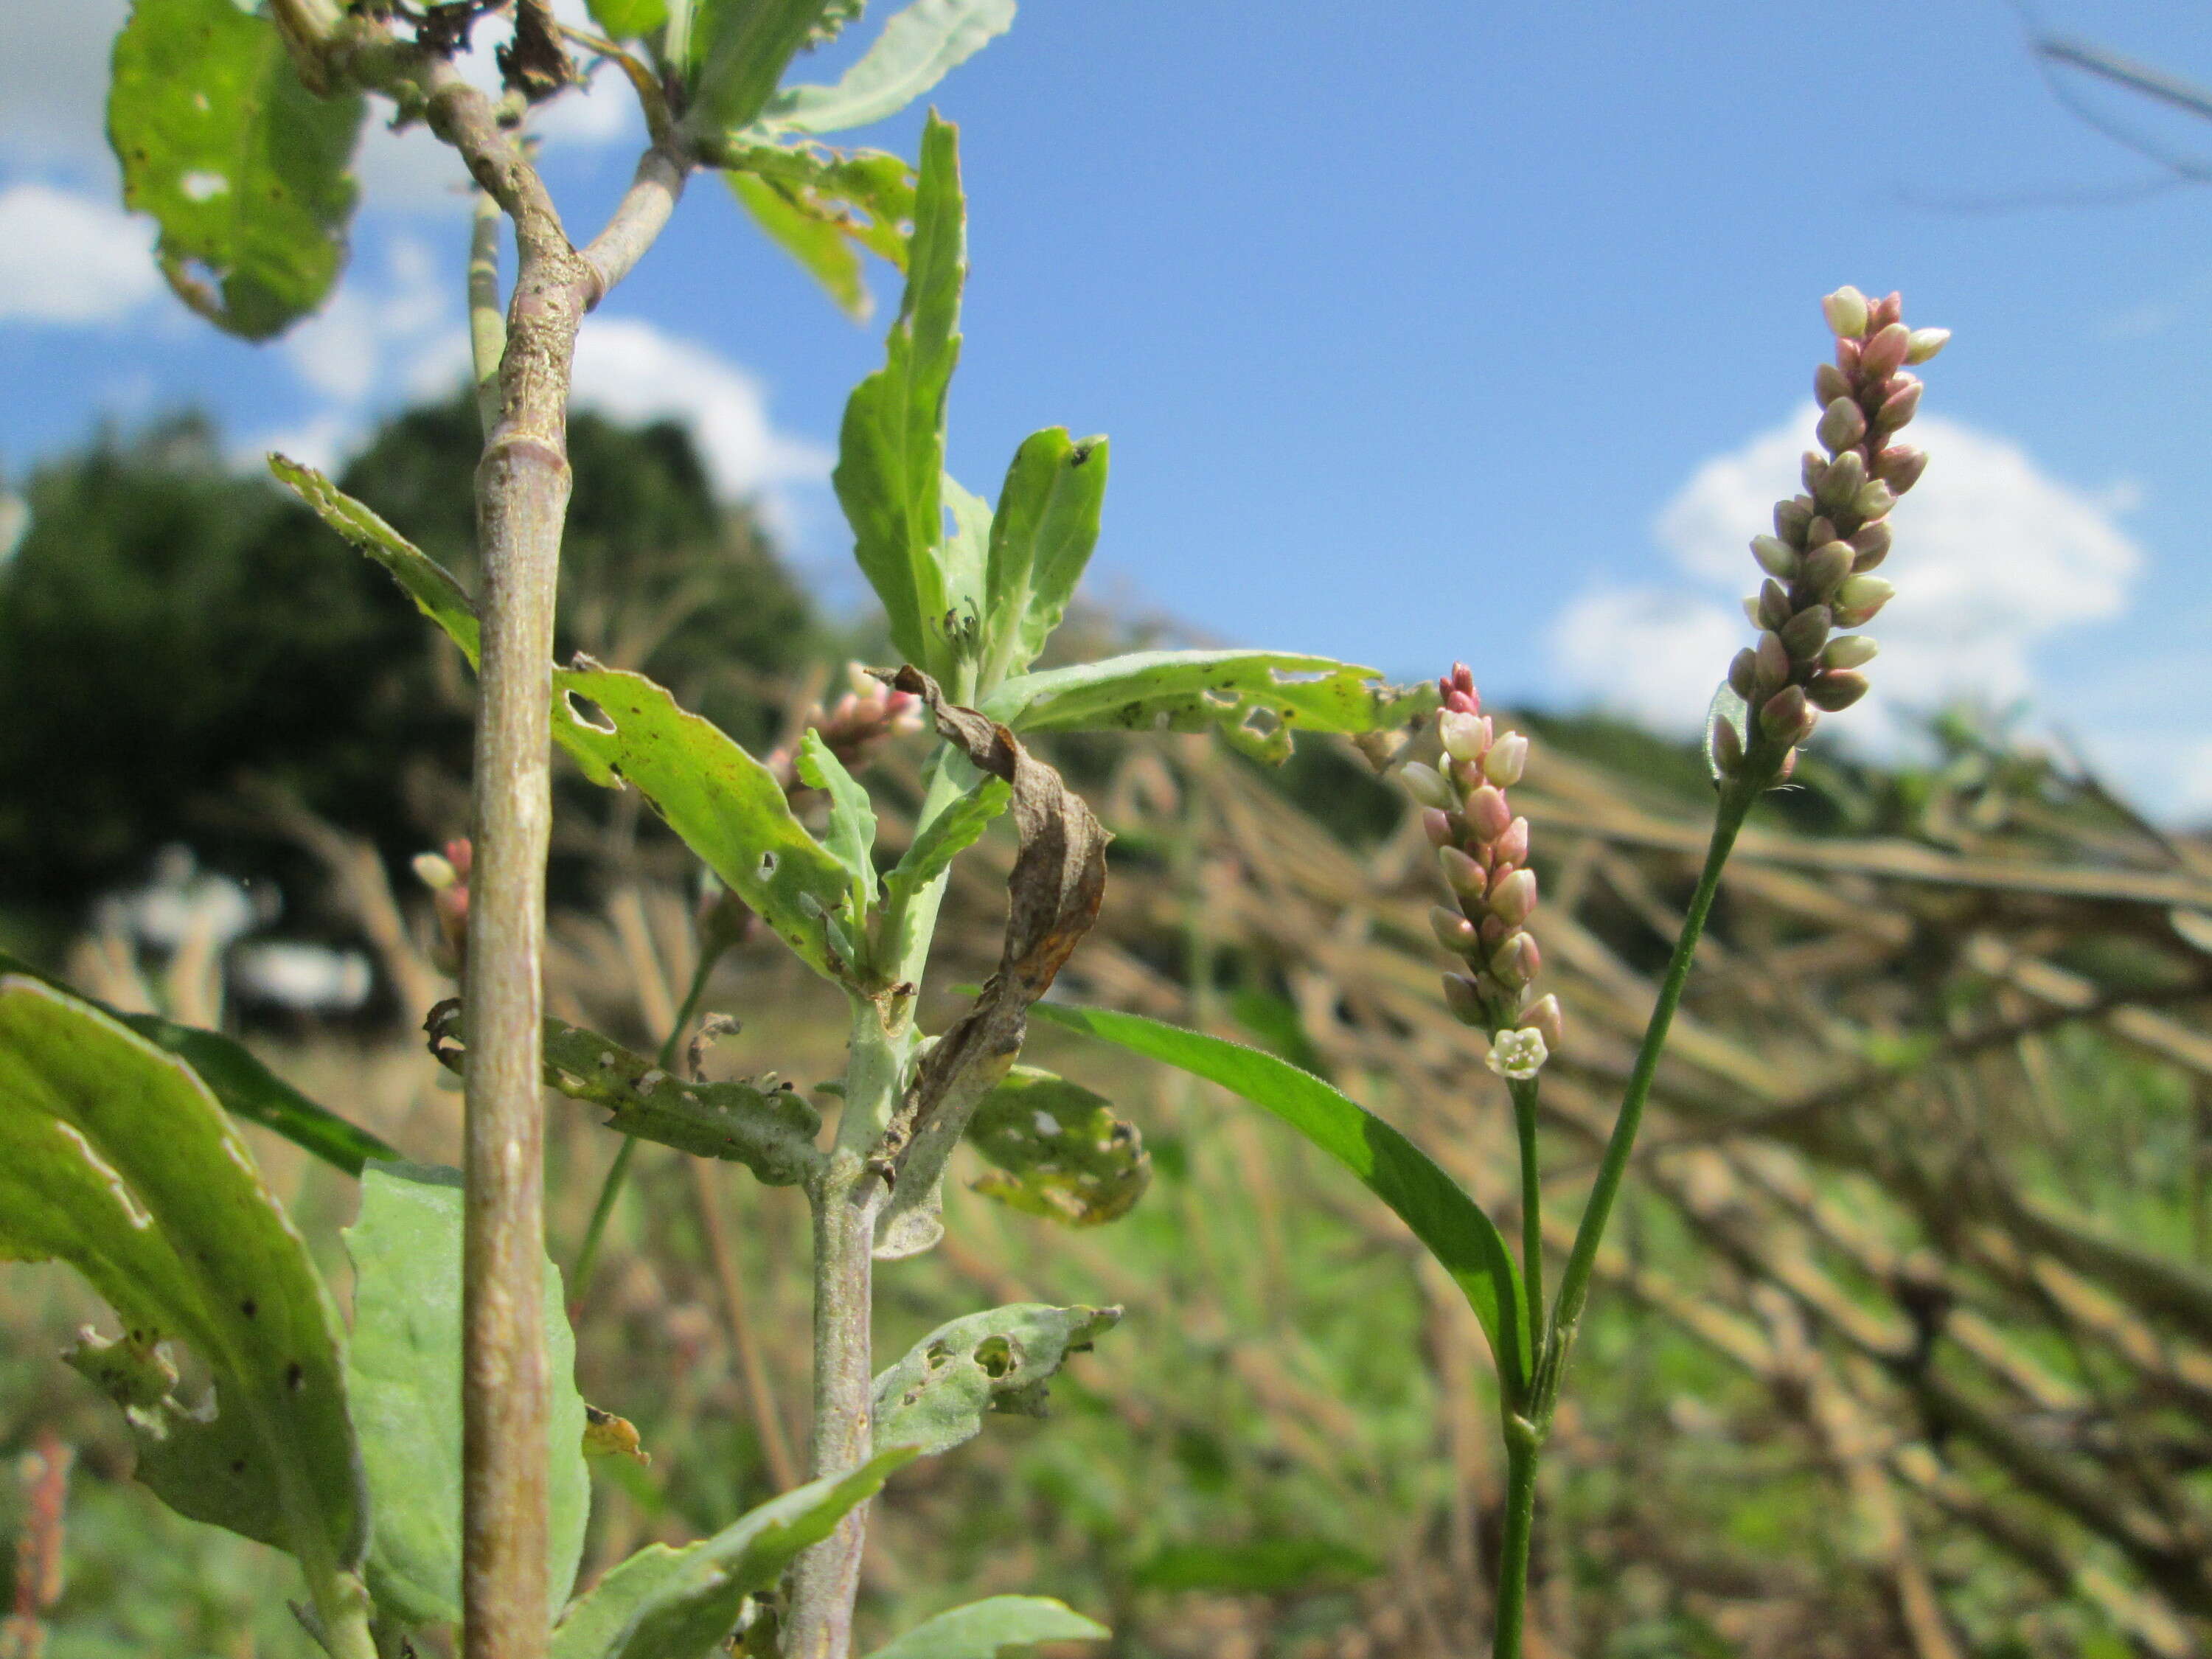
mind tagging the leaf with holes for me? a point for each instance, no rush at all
(247, 1088)
(664, 1603)
(890, 452)
(771, 1131)
(404, 1377)
(1256, 698)
(118, 1160)
(918, 47)
(1463, 1240)
(1000, 1360)
(1040, 541)
(241, 166)
(985, 1630)
(1060, 1150)
(726, 805)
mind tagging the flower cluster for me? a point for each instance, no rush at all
(1827, 541)
(1484, 851)
(447, 875)
(856, 725)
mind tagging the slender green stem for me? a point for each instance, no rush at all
(1521, 1451)
(587, 1257)
(1532, 1211)
(1574, 1284)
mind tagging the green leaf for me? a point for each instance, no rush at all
(1450, 1224)
(984, 1629)
(404, 1378)
(1000, 1360)
(817, 242)
(890, 460)
(241, 166)
(629, 19)
(682, 1604)
(821, 204)
(771, 1131)
(966, 553)
(116, 1157)
(1258, 698)
(852, 815)
(437, 594)
(1041, 540)
(947, 835)
(1060, 1151)
(246, 1087)
(918, 48)
(739, 49)
(726, 806)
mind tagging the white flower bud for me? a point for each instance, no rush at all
(1925, 342)
(1846, 312)
(1426, 784)
(1464, 735)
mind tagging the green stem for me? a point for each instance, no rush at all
(587, 1257)
(1521, 1451)
(1574, 1284)
(1532, 1211)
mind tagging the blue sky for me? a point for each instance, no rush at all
(1484, 332)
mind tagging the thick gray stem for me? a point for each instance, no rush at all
(827, 1578)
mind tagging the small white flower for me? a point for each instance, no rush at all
(1517, 1055)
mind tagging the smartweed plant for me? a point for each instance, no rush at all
(425, 1462)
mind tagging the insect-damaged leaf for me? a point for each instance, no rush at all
(403, 1376)
(666, 1603)
(917, 48)
(1042, 535)
(890, 450)
(117, 1159)
(243, 168)
(1463, 1240)
(983, 1630)
(1060, 1151)
(726, 806)
(771, 1131)
(246, 1087)
(1000, 1360)
(1258, 698)
(1053, 895)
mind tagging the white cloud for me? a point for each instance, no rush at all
(345, 351)
(67, 258)
(636, 371)
(1995, 557)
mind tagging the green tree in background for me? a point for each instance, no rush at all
(170, 628)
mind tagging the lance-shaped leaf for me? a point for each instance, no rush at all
(984, 1629)
(1060, 1151)
(666, 1603)
(246, 1087)
(1052, 896)
(852, 815)
(1003, 1359)
(726, 806)
(943, 838)
(1257, 698)
(771, 1131)
(967, 554)
(1040, 540)
(823, 207)
(1450, 1224)
(243, 168)
(117, 1159)
(629, 19)
(891, 452)
(404, 1379)
(738, 51)
(918, 47)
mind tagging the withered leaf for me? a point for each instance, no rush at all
(1053, 893)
